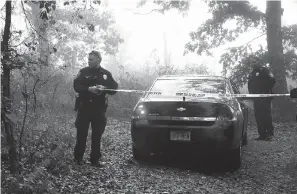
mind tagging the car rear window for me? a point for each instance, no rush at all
(169, 86)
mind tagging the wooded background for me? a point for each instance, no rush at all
(38, 65)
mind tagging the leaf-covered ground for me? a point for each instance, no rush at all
(268, 167)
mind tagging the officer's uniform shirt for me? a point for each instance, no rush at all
(260, 81)
(88, 77)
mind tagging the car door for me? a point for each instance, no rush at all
(243, 106)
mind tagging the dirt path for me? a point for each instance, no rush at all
(268, 167)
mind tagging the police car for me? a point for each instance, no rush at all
(167, 120)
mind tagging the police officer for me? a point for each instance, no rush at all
(91, 106)
(261, 82)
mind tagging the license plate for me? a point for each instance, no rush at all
(180, 135)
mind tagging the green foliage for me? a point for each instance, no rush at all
(290, 36)
(236, 59)
(69, 29)
(45, 8)
(79, 31)
(240, 68)
(290, 60)
(181, 5)
(229, 20)
(189, 69)
(214, 32)
(196, 69)
(237, 62)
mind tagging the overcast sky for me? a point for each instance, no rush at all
(143, 33)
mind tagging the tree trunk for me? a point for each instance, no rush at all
(40, 26)
(275, 52)
(8, 126)
(6, 101)
(5, 51)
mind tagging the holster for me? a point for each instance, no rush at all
(77, 103)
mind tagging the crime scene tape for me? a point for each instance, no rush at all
(186, 94)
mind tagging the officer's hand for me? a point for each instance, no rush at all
(93, 89)
(100, 87)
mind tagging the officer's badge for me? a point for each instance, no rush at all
(104, 77)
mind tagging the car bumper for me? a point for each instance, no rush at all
(221, 136)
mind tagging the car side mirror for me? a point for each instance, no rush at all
(293, 93)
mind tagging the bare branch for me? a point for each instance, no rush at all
(247, 43)
(34, 94)
(30, 22)
(3, 7)
(22, 41)
(254, 39)
(153, 10)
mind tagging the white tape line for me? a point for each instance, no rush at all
(135, 91)
(186, 94)
(259, 95)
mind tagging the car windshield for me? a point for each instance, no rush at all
(169, 86)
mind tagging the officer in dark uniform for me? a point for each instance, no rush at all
(91, 105)
(261, 82)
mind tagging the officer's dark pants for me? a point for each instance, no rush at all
(89, 113)
(263, 117)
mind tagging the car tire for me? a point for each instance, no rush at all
(235, 158)
(245, 139)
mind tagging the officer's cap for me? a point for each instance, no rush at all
(255, 63)
(96, 53)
